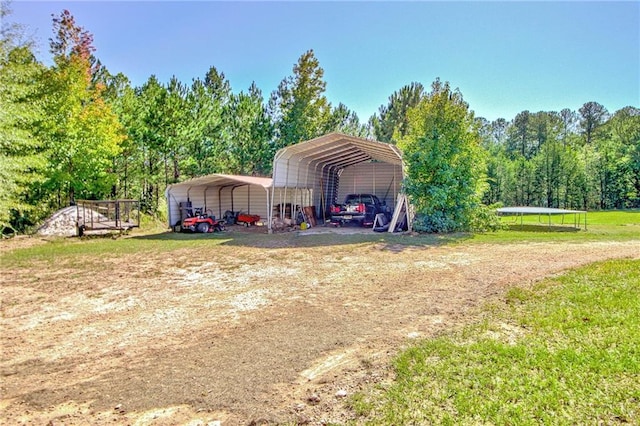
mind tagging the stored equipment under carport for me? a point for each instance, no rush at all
(203, 223)
(247, 219)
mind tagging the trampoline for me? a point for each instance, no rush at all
(545, 211)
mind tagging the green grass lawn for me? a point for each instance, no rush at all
(152, 237)
(616, 225)
(565, 352)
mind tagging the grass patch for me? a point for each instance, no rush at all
(618, 225)
(80, 249)
(564, 352)
(603, 226)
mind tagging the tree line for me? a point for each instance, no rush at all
(586, 159)
(72, 130)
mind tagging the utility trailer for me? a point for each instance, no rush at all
(107, 215)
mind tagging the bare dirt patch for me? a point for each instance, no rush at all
(241, 334)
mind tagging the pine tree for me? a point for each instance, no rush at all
(298, 107)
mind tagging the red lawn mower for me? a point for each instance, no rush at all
(203, 223)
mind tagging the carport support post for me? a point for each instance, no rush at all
(283, 205)
(167, 196)
(268, 212)
(324, 215)
(273, 187)
(205, 200)
(270, 200)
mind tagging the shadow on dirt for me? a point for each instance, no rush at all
(301, 239)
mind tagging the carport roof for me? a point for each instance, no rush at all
(339, 150)
(218, 179)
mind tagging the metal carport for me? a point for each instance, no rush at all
(219, 193)
(314, 167)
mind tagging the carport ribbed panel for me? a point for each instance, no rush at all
(334, 150)
(218, 179)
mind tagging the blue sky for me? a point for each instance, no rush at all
(505, 57)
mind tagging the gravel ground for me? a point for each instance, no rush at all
(240, 334)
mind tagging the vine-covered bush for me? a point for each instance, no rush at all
(445, 164)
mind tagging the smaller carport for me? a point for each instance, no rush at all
(217, 194)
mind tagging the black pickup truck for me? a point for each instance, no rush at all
(358, 208)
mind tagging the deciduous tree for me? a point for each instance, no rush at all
(21, 158)
(82, 133)
(445, 164)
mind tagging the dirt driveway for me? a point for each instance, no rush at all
(241, 335)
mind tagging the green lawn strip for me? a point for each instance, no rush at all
(604, 226)
(565, 352)
(617, 225)
(94, 249)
